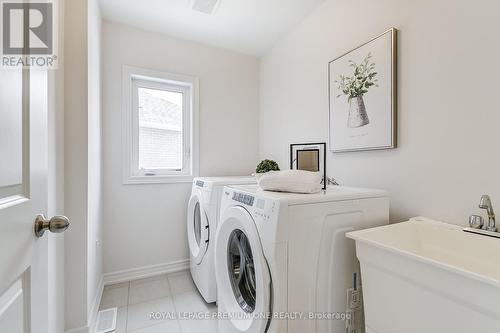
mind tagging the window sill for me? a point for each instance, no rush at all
(139, 180)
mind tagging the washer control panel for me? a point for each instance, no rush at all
(262, 209)
(243, 198)
(265, 209)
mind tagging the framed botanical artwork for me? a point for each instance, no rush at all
(363, 96)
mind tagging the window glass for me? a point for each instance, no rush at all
(160, 129)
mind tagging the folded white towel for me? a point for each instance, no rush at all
(296, 181)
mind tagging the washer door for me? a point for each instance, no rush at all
(243, 279)
(197, 227)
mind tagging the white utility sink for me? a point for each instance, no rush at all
(425, 276)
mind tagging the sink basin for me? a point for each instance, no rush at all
(428, 276)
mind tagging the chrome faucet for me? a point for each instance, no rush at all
(485, 203)
(476, 222)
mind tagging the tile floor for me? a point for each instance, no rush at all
(162, 295)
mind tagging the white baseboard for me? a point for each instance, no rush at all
(145, 272)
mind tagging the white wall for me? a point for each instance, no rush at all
(82, 162)
(448, 109)
(145, 224)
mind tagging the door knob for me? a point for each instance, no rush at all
(56, 224)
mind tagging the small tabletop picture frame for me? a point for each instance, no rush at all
(309, 157)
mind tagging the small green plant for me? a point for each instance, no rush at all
(266, 166)
(362, 79)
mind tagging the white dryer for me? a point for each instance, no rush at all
(282, 260)
(202, 217)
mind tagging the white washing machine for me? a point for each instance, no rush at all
(202, 218)
(279, 256)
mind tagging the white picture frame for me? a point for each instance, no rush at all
(363, 96)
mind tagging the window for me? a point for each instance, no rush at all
(159, 127)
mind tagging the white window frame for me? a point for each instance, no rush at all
(134, 78)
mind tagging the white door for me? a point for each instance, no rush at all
(23, 195)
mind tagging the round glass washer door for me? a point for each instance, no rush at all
(197, 223)
(197, 228)
(241, 269)
(242, 273)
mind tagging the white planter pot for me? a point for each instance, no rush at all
(357, 113)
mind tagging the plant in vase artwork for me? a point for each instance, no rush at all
(354, 87)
